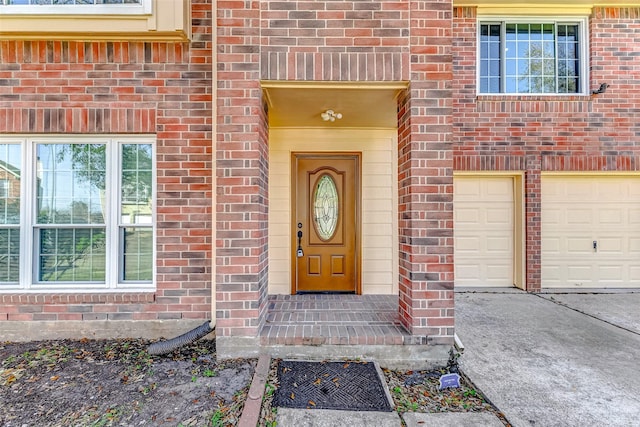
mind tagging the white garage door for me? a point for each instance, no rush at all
(590, 231)
(483, 231)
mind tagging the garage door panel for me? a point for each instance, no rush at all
(483, 231)
(578, 210)
(634, 273)
(610, 216)
(634, 216)
(551, 246)
(610, 273)
(634, 246)
(498, 245)
(499, 189)
(580, 246)
(554, 216)
(580, 216)
(498, 216)
(468, 244)
(468, 272)
(612, 246)
(580, 273)
(467, 216)
(466, 189)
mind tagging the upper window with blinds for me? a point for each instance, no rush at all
(89, 20)
(532, 57)
(52, 7)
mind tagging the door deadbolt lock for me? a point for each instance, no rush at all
(300, 253)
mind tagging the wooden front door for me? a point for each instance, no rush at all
(325, 223)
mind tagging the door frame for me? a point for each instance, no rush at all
(295, 155)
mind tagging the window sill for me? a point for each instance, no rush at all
(532, 98)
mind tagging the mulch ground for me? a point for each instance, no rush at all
(117, 383)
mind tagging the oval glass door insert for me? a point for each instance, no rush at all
(325, 207)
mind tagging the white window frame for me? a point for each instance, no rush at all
(143, 8)
(113, 219)
(583, 28)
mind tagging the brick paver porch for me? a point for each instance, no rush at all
(321, 319)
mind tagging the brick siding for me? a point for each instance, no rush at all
(242, 197)
(127, 87)
(551, 133)
(425, 178)
(335, 41)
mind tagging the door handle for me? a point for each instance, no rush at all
(300, 252)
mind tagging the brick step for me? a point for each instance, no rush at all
(334, 320)
(313, 317)
(324, 334)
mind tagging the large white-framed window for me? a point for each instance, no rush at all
(76, 7)
(79, 215)
(533, 56)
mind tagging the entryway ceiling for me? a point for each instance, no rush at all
(362, 105)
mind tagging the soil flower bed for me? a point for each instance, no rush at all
(117, 383)
(101, 383)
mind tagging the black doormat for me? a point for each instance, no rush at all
(330, 385)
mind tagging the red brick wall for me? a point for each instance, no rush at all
(242, 173)
(425, 178)
(127, 87)
(363, 40)
(551, 133)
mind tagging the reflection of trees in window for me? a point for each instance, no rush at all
(71, 185)
(531, 52)
(529, 58)
(89, 205)
(135, 209)
(136, 172)
(10, 163)
(71, 174)
(72, 255)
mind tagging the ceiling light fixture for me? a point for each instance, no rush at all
(330, 116)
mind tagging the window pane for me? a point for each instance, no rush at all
(494, 85)
(568, 58)
(490, 58)
(137, 184)
(138, 254)
(539, 57)
(71, 255)
(71, 183)
(484, 85)
(10, 176)
(9, 255)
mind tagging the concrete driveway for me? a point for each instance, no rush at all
(554, 359)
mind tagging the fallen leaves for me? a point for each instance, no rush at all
(10, 375)
(113, 382)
